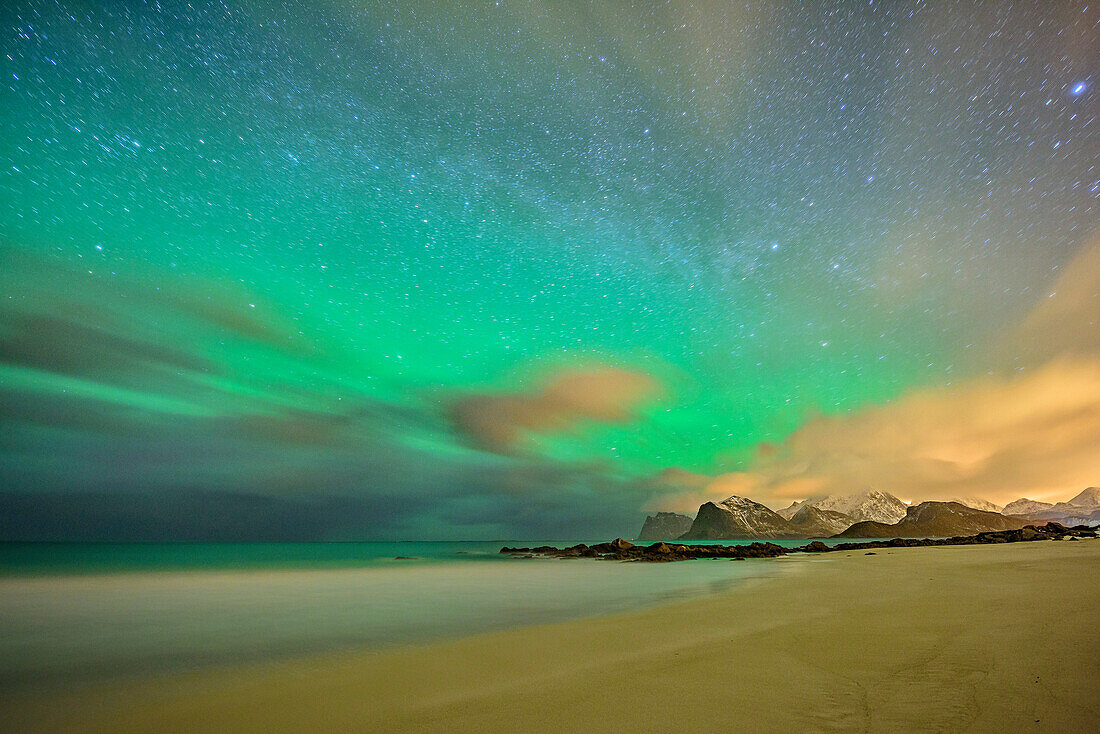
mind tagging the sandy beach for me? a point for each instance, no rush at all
(971, 638)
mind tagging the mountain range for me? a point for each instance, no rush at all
(871, 504)
(1083, 509)
(935, 520)
(868, 514)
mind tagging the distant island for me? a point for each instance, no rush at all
(869, 514)
(664, 525)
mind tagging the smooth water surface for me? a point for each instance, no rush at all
(81, 612)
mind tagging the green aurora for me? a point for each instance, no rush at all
(257, 257)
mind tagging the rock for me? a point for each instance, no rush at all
(621, 550)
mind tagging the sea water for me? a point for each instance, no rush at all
(75, 612)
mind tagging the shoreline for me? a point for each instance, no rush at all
(63, 631)
(982, 638)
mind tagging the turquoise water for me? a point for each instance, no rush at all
(79, 612)
(21, 559)
(98, 558)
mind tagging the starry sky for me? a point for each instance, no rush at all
(341, 269)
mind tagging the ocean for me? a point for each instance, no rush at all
(72, 612)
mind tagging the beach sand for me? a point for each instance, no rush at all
(1001, 638)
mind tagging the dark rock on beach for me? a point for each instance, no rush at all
(621, 550)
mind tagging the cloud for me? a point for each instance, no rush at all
(152, 405)
(498, 422)
(56, 344)
(1028, 427)
(150, 331)
(1067, 320)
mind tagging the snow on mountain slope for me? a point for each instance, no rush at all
(977, 504)
(871, 504)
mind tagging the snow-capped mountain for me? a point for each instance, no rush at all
(788, 513)
(735, 518)
(1082, 509)
(936, 519)
(977, 504)
(871, 504)
(1024, 506)
(1089, 498)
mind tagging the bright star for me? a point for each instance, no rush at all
(1077, 88)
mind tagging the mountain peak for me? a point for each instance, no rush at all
(737, 501)
(868, 504)
(664, 526)
(1025, 506)
(977, 504)
(737, 517)
(1088, 498)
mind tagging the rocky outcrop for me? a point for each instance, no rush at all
(737, 518)
(664, 526)
(810, 522)
(621, 550)
(1024, 506)
(871, 504)
(935, 519)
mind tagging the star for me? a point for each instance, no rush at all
(652, 188)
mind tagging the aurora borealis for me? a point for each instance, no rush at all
(341, 269)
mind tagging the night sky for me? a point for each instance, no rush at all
(358, 270)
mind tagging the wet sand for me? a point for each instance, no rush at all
(1001, 638)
